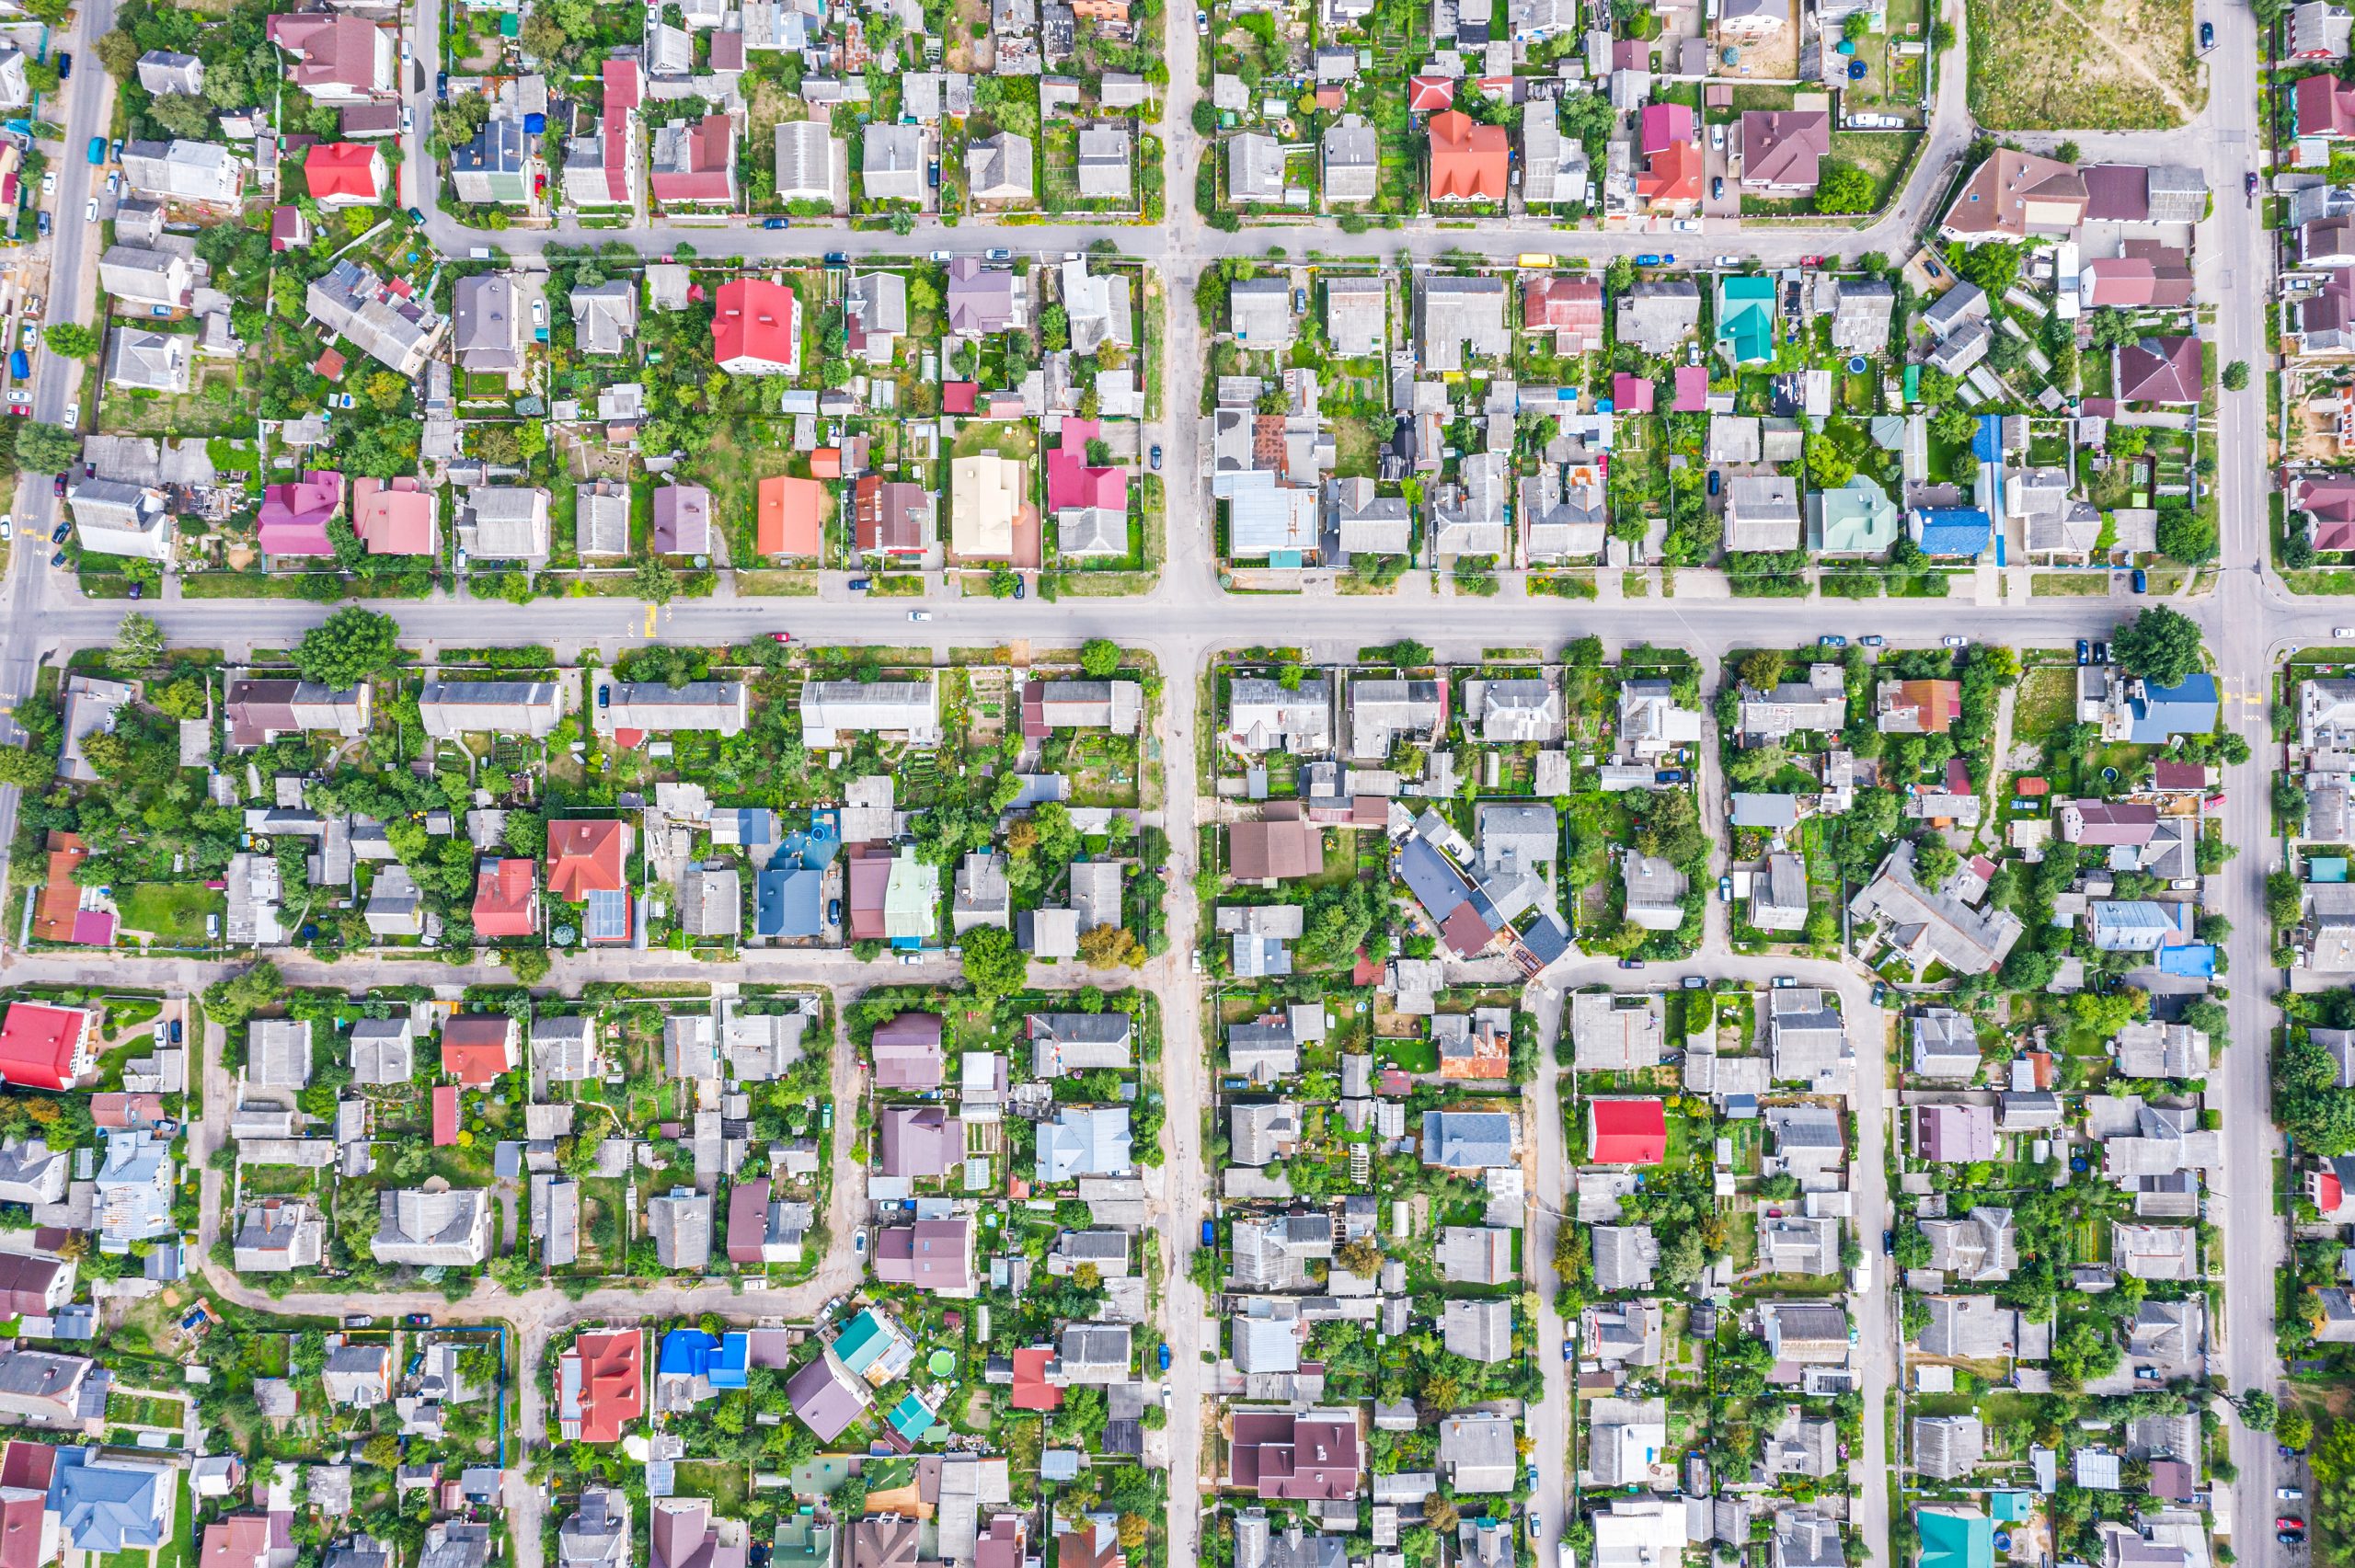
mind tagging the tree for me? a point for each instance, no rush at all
(2294, 1427)
(654, 581)
(70, 339)
(2236, 375)
(1098, 658)
(46, 449)
(349, 646)
(1761, 668)
(2187, 536)
(2159, 645)
(1842, 187)
(23, 768)
(119, 52)
(181, 115)
(231, 1002)
(1109, 946)
(2113, 329)
(542, 35)
(138, 644)
(2258, 1410)
(993, 965)
(1953, 425)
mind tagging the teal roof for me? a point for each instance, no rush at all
(1858, 517)
(910, 1419)
(803, 1542)
(1955, 1539)
(2008, 1507)
(864, 1342)
(1746, 318)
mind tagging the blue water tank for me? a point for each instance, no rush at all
(535, 123)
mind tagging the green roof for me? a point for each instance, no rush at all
(2008, 1507)
(1746, 318)
(864, 1342)
(1955, 1539)
(910, 1419)
(1858, 519)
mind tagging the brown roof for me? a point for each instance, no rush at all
(2160, 370)
(61, 897)
(1995, 200)
(2118, 193)
(886, 1542)
(891, 516)
(1284, 843)
(1278, 1454)
(1783, 146)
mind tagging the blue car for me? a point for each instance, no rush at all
(776, 222)
(2142, 583)
(1648, 260)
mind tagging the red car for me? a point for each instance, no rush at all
(2289, 1522)
(781, 636)
(58, 487)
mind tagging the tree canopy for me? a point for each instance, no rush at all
(2160, 645)
(349, 646)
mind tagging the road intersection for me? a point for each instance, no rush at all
(2247, 615)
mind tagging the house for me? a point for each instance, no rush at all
(1468, 161)
(1655, 890)
(495, 166)
(1105, 156)
(2013, 195)
(338, 58)
(936, 1255)
(757, 328)
(104, 1500)
(1626, 1131)
(1280, 845)
(829, 708)
(529, 709)
(826, 1395)
(345, 174)
(1947, 1447)
(1476, 1453)
(1780, 151)
(161, 71)
(1555, 168)
(680, 1222)
(1569, 308)
(194, 174)
(601, 165)
(1856, 518)
(1946, 1046)
(604, 316)
(137, 275)
(2318, 31)
(151, 361)
(1954, 1134)
(46, 1047)
(694, 163)
(1351, 160)
(505, 522)
(892, 162)
(1658, 317)
(810, 163)
(426, 1229)
(986, 496)
(1778, 895)
(395, 517)
(1982, 1248)
(1861, 310)
(1255, 170)
(1474, 1254)
(1761, 513)
(597, 1533)
(1607, 1036)
(999, 168)
(1470, 1140)
(1457, 314)
(487, 326)
(1356, 312)
(2162, 369)
(1307, 1455)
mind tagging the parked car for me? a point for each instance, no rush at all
(2289, 1522)
(776, 222)
(2085, 651)
(57, 535)
(1717, 137)
(1156, 457)
(139, 590)
(834, 911)
(1569, 1351)
(420, 1320)
(1957, 642)
(58, 559)
(2250, 188)
(837, 258)
(1718, 188)
(1668, 776)
(2343, 631)
(2207, 35)
(1724, 889)
(1631, 963)
(858, 1244)
(41, 222)
(1889, 1244)
(2141, 581)
(999, 253)
(90, 211)
(1785, 982)
(1832, 640)
(57, 487)
(1165, 1355)
(417, 214)
(2289, 1494)
(176, 1031)
(2101, 652)
(1873, 641)
(359, 1320)
(1714, 481)
(1693, 982)
(858, 585)
(539, 312)
(64, 66)
(1202, 23)
(1648, 260)
(49, 183)
(919, 614)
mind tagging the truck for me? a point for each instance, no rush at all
(97, 151)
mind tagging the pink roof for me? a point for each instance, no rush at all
(342, 169)
(40, 1045)
(295, 515)
(621, 97)
(1631, 394)
(1692, 389)
(1071, 483)
(1664, 124)
(1425, 93)
(393, 517)
(445, 1114)
(957, 396)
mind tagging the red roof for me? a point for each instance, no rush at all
(2326, 106)
(504, 898)
(1631, 394)
(748, 1220)
(2328, 1193)
(40, 1045)
(1425, 94)
(477, 1047)
(29, 1465)
(1031, 1390)
(241, 1540)
(586, 857)
(957, 396)
(1674, 176)
(1692, 389)
(621, 97)
(611, 1390)
(1626, 1133)
(1564, 305)
(445, 1113)
(342, 169)
(756, 324)
(709, 171)
(1469, 162)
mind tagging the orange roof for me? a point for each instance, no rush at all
(826, 463)
(341, 168)
(61, 898)
(477, 1046)
(792, 516)
(754, 323)
(585, 858)
(1469, 162)
(604, 1388)
(1673, 174)
(1031, 1389)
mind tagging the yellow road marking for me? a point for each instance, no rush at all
(649, 621)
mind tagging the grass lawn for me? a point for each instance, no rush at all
(174, 911)
(1420, 1055)
(2068, 585)
(1883, 155)
(726, 1484)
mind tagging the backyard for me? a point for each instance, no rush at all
(2051, 65)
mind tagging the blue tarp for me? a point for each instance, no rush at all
(1953, 531)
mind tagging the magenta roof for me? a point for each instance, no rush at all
(295, 515)
(1071, 483)
(1692, 389)
(1631, 394)
(1664, 124)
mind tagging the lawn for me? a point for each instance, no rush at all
(1883, 155)
(726, 1484)
(2046, 701)
(172, 913)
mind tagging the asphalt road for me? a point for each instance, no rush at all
(2248, 619)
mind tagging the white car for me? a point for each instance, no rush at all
(539, 312)
(2343, 631)
(1686, 225)
(919, 614)
(19, 396)
(404, 48)
(73, 415)
(1717, 137)
(90, 213)
(1957, 642)
(48, 184)
(114, 181)
(7, 527)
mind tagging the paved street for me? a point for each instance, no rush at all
(2247, 616)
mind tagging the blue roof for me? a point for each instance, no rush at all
(728, 1368)
(107, 1506)
(1953, 531)
(1433, 878)
(2195, 960)
(2164, 712)
(2326, 868)
(789, 903)
(1545, 937)
(686, 1353)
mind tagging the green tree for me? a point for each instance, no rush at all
(46, 449)
(2236, 375)
(24, 768)
(70, 339)
(349, 646)
(182, 115)
(1842, 187)
(2187, 536)
(1098, 658)
(654, 581)
(993, 964)
(2160, 645)
(2258, 1410)
(138, 644)
(2113, 328)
